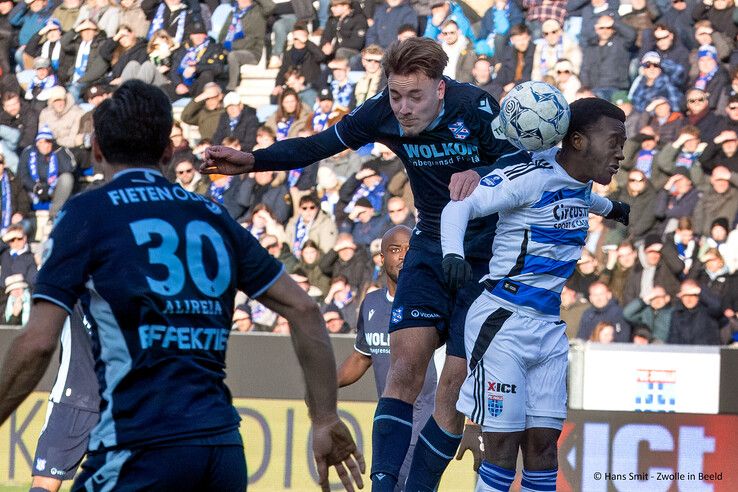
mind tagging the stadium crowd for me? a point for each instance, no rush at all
(671, 65)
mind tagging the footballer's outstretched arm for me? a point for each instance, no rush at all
(353, 368)
(29, 355)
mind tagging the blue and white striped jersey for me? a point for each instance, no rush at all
(542, 227)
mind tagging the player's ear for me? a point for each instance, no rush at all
(441, 89)
(166, 157)
(579, 141)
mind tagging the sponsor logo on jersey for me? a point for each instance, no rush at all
(501, 387)
(396, 315)
(371, 314)
(377, 339)
(459, 130)
(491, 181)
(416, 313)
(442, 151)
(494, 404)
(40, 464)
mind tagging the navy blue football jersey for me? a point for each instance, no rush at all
(460, 138)
(162, 267)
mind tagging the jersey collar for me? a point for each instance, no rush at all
(137, 170)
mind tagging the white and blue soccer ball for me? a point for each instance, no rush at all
(534, 116)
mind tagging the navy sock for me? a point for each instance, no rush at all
(434, 450)
(539, 481)
(495, 478)
(393, 427)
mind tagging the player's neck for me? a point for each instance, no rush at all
(574, 166)
(114, 169)
(391, 287)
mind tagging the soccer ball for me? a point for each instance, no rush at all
(534, 116)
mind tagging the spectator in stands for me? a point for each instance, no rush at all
(720, 13)
(674, 56)
(17, 259)
(722, 151)
(18, 126)
(406, 31)
(604, 309)
(242, 322)
(18, 306)
(342, 298)
(573, 305)
(553, 47)
(280, 251)
(683, 238)
(641, 196)
(659, 265)
(605, 56)
(729, 100)
(291, 116)
(366, 183)
(516, 61)
(267, 187)
(132, 15)
(104, 13)
(304, 56)
(373, 79)
(711, 77)
(190, 179)
(29, 18)
(641, 18)
(328, 187)
(700, 115)
(540, 11)
(665, 121)
(618, 269)
(126, 48)
(653, 311)
(310, 224)
(713, 274)
(442, 11)
(340, 84)
(67, 14)
(62, 116)
(348, 260)
(156, 69)
(262, 221)
(310, 264)
(238, 121)
(205, 111)
(46, 173)
(717, 238)
(696, 318)
(591, 11)
(642, 335)
(345, 31)
(181, 150)
(679, 17)
(324, 115)
(42, 79)
(388, 18)
(197, 62)
(566, 79)
(721, 200)
(676, 199)
(363, 223)
(243, 35)
(82, 64)
(482, 74)
(496, 22)
(680, 153)
(460, 52)
(604, 332)
(652, 84)
(46, 43)
(300, 278)
(585, 273)
(170, 15)
(334, 321)
(398, 213)
(15, 205)
(296, 81)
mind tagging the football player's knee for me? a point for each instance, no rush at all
(540, 451)
(406, 375)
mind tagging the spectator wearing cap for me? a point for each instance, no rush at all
(46, 43)
(722, 151)
(373, 79)
(242, 322)
(720, 13)
(605, 56)
(46, 173)
(304, 55)
(310, 224)
(554, 46)
(125, 47)
(711, 77)
(310, 264)
(29, 17)
(640, 195)
(345, 30)
(363, 223)
(334, 321)
(388, 17)
(339, 83)
(674, 56)
(205, 111)
(243, 35)
(43, 79)
(677, 198)
(460, 52)
(516, 60)
(652, 84)
(61, 116)
(704, 34)
(238, 121)
(654, 311)
(720, 200)
(17, 258)
(280, 251)
(198, 62)
(171, 15)
(18, 305)
(291, 116)
(659, 264)
(348, 260)
(495, 26)
(700, 115)
(18, 127)
(603, 309)
(696, 317)
(482, 74)
(442, 11)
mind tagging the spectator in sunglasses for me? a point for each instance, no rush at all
(653, 83)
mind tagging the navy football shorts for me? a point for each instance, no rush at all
(168, 468)
(63, 441)
(422, 298)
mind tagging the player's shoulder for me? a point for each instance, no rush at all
(378, 105)
(469, 98)
(520, 170)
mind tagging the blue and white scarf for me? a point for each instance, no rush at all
(704, 79)
(686, 159)
(47, 83)
(6, 201)
(293, 177)
(158, 23)
(80, 64)
(235, 30)
(193, 54)
(342, 93)
(217, 192)
(645, 161)
(50, 180)
(374, 195)
(301, 235)
(283, 128)
(54, 54)
(320, 121)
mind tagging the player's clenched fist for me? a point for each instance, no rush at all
(456, 271)
(334, 446)
(218, 159)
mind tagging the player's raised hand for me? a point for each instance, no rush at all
(334, 446)
(218, 159)
(472, 441)
(463, 184)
